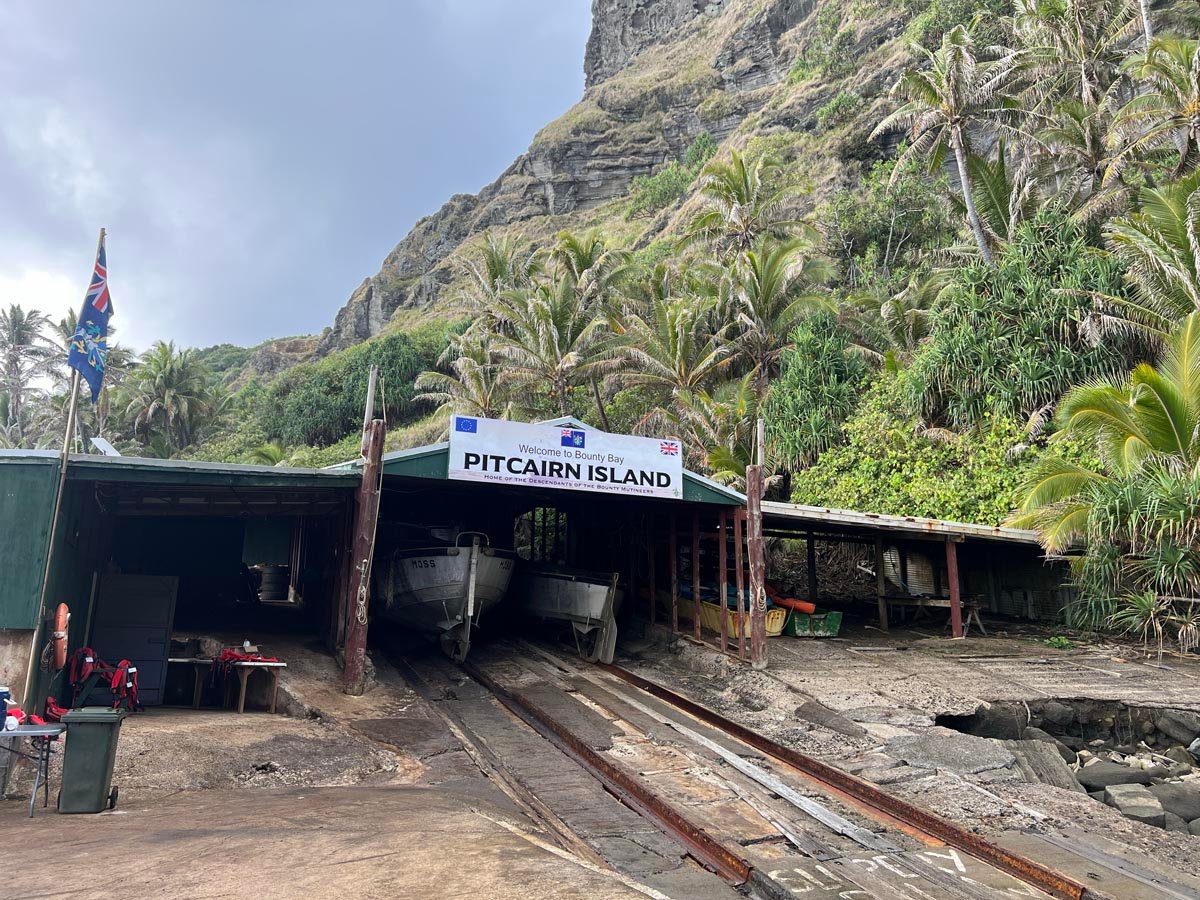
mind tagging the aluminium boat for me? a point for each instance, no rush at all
(444, 590)
(589, 601)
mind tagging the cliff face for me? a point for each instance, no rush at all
(658, 73)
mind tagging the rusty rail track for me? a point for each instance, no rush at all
(874, 801)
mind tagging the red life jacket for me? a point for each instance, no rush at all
(124, 686)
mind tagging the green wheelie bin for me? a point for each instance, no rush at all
(88, 762)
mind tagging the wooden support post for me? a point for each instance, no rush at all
(956, 623)
(723, 581)
(366, 516)
(758, 567)
(881, 584)
(674, 572)
(812, 568)
(651, 548)
(635, 535)
(739, 575)
(696, 575)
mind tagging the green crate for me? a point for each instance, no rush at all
(826, 624)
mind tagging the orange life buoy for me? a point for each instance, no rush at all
(58, 638)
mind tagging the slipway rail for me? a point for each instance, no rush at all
(878, 803)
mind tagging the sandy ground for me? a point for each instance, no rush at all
(888, 686)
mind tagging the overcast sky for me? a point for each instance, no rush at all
(253, 161)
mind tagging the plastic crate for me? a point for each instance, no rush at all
(826, 624)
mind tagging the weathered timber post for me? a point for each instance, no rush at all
(674, 548)
(651, 547)
(812, 568)
(696, 575)
(758, 567)
(366, 516)
(739, 575)
(723, 582)
(881, 584)
(956, 624)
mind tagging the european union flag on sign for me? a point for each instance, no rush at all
(89, 344)
(571, 438)
(469, 426)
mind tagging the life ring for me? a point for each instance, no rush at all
(58, 638)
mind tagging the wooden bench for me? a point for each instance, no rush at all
(202, 667)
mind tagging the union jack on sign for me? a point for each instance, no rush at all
(669, 448)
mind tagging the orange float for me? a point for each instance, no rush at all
(800, 606)
(58, 638)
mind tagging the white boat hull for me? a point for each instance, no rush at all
(428, 589)
(588, 602)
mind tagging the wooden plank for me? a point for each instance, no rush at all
(881, 584)
(723, 582)
(956, 621)
(739, 577)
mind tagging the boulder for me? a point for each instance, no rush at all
(1134, 801)
(1036, 734)
(1178, 725)
(1194, 827)
(1179, 754)
(1057, 713)
(943, 749)
(1100, 775)
(1172, 822)
(1181, 799)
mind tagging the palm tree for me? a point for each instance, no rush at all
(272, 454)
(773, 288)
(1166, 116)
(25, 354)
(941, 102)
(171, 395)
(1132, 522)
(475, 385)
(1073, 157)
(551, 340)
(1160, 247)
(672, 350)
(741, 203)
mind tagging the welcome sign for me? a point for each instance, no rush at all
(558, 456)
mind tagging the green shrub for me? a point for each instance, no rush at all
(839, 109)
(829, 52)
(651, 193)
(817, 389)
(933, 18)
(1005, 340)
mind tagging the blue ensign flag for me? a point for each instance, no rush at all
(89, 344)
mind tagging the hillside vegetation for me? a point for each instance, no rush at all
(946, 248)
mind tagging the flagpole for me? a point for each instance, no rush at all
(72, 403)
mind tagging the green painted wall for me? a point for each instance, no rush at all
(27, 488)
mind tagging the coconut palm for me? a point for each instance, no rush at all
(773, 287)
(552, 341)
(1160, 247)
(475, 384)
(171, 396)
(1164, 118)
(742, 201)
(1073, 153)
(940, 104)
(25, 354)
(501, 264)
(672, 350)
(271, 454)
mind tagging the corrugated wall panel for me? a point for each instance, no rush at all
(27, 488)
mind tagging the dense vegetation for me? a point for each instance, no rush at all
(910, 339)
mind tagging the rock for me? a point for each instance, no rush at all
(1057, 713)
(894, 775)
(1036, 734)
(1102, 774)
(1073, 742)
(942, 748)
(1096, 795)
(1178, 724)
(1180, 755)
(1134, 801)
(1172, 822)
(1194, 827)
(1179, 798)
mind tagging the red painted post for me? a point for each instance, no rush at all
(758, 567)
(723, 584)
(739, 576)
(674, 572)
(696, 576)
(956, 624)
(358, 598)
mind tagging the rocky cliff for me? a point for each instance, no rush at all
(658, 73)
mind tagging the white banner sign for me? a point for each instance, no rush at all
(558, 456)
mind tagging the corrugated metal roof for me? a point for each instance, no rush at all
(903, 525)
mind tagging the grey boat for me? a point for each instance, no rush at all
(589, 601)
(445, 590)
